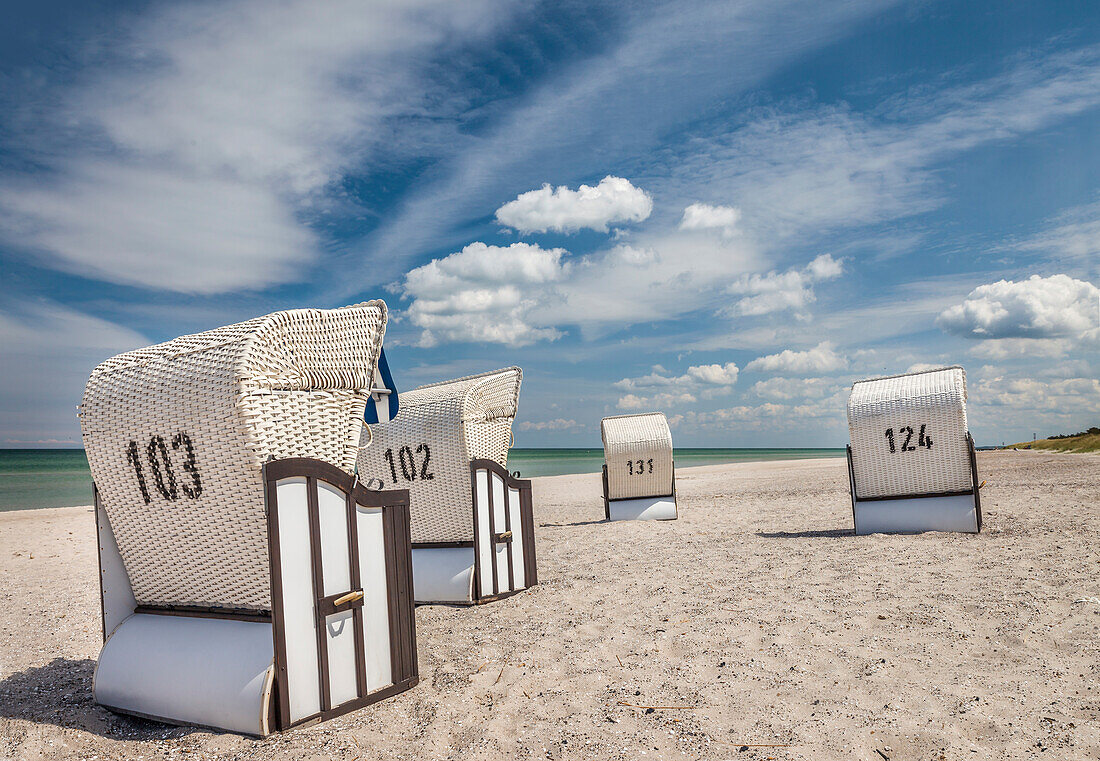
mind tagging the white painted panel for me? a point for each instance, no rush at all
(484, 542)
(203, 671)
(332, 512)
(118, 596)
(515, 516)
(376, 616)
(443, 574)
(643, 509)
(303, 686)
(500, 510)
(340, 632)
(901, 516)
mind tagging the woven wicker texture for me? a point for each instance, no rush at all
(890, 413)
(638, 452)
(176, 435)
(428, 448)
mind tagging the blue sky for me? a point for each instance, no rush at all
(727, 211)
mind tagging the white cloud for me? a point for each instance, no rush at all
(706, 381)
(823, 358)
(205, 234)
(701, 216)
(802, 171)
(715, 375)
(614, 200)
(484, 294)
(769, 417)
(1067, 395)
(658, 278)
(1039, 307)
(794, 388)
(629, 98)
(1021, 348)
(195, 157)
(777, 292)
(655, 401)
(557, 424)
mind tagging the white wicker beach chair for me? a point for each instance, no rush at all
(639, 476)
(472, 529)
(911, 463)
(248, 582)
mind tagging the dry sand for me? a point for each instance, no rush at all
(757, 614)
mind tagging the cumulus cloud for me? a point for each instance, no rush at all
(702, 216)
(655, 401)
(1039, 307)
(614, 200)
(484, 294)
(794, 388)
(1067, 395)
(777, 292)
(706, 381)
(823, 358)
(557, 424)
(768, 416)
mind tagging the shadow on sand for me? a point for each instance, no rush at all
(819, 533)
(60, 693)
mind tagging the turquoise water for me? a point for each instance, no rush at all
(44, 478)
(31, 478)
(558, 462)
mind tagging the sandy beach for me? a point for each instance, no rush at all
(756, 626)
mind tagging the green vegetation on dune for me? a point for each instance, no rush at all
(1085, 441)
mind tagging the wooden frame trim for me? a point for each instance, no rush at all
(606, 498)
(398, 561)
(356, 583)
(527, 526)
(974, 476)
(314, 515)
(442, 545)
(189, 611)
(96, 507)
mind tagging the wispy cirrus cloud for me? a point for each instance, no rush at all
(210, 143)
(48, 351)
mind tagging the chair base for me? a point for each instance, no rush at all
(915, 513)
(642, 509)
(910, 516)
(206, 672)
(443, 575)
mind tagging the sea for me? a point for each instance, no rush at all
(35, 478)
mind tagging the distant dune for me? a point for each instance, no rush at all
(1083, 442)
